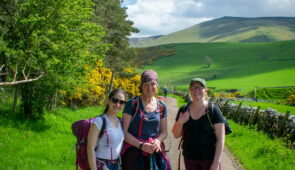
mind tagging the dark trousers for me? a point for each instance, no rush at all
(197, 165)
(131, 161)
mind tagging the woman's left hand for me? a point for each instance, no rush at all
(157, 145)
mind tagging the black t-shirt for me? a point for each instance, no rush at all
(198, 136)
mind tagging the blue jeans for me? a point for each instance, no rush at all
(108, 164)
(112, 166)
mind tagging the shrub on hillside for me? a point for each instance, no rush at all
(224, 94)
(210, 93)
(274, 93)
(181, 89)
(291, 100)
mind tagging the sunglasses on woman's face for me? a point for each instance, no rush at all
(114, 100)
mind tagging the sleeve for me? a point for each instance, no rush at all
(128, 107)
(98, 122)
(164, 111)
(180, 110)
(217, 115)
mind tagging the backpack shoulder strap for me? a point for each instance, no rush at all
(103, 127)
(135, 106)
(182, 110)
(161, 107)
(212, 112)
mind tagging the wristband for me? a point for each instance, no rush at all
(140, 145)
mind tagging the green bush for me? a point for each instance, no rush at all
(35, 97)
(181, 89)
(274, 93)
(291, 100)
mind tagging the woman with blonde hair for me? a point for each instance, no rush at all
(201, 126)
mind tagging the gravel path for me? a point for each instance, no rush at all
(227, 162)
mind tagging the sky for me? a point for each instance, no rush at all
(161, 17)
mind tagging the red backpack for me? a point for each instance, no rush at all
(80, 129)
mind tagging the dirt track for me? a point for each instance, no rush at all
(227, 160)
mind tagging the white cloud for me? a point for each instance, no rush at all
(156, 17)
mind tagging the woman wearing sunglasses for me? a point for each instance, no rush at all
(105, 150)
(145, 128)
(203, 137)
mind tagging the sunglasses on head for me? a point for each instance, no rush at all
(114, 100)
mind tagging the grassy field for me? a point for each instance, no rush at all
(45, 144)
(234, 65)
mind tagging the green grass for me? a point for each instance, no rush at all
(45, 144)
(256, 151)
(180, 100)
(263, 105)
(234, 65)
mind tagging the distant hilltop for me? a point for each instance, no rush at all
(142, 40)
(227, 29)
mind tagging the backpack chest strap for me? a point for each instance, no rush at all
(135, 109)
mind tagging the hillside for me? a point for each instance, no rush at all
(231, 65)
(232, 29)
(137, 42)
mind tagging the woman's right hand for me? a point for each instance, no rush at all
(148, 148)
(183, 117)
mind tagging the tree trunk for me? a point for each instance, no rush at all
(26, 93)
(111, 82)
(55, 99)
(16, 89)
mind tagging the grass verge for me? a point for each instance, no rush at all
(45, 144)
(256, 151)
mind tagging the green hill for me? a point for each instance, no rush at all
(137, 42)
(232, 29)
(232, 65)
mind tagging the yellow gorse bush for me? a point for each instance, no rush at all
(94, 92)
(226, 95)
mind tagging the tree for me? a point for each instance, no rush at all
(113, 18)
(208, 61)
(49, 42)
(7, 11)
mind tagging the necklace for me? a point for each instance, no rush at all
(149, 106)
(197, 113)
(113, 120)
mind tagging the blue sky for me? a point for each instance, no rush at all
(161, 17)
